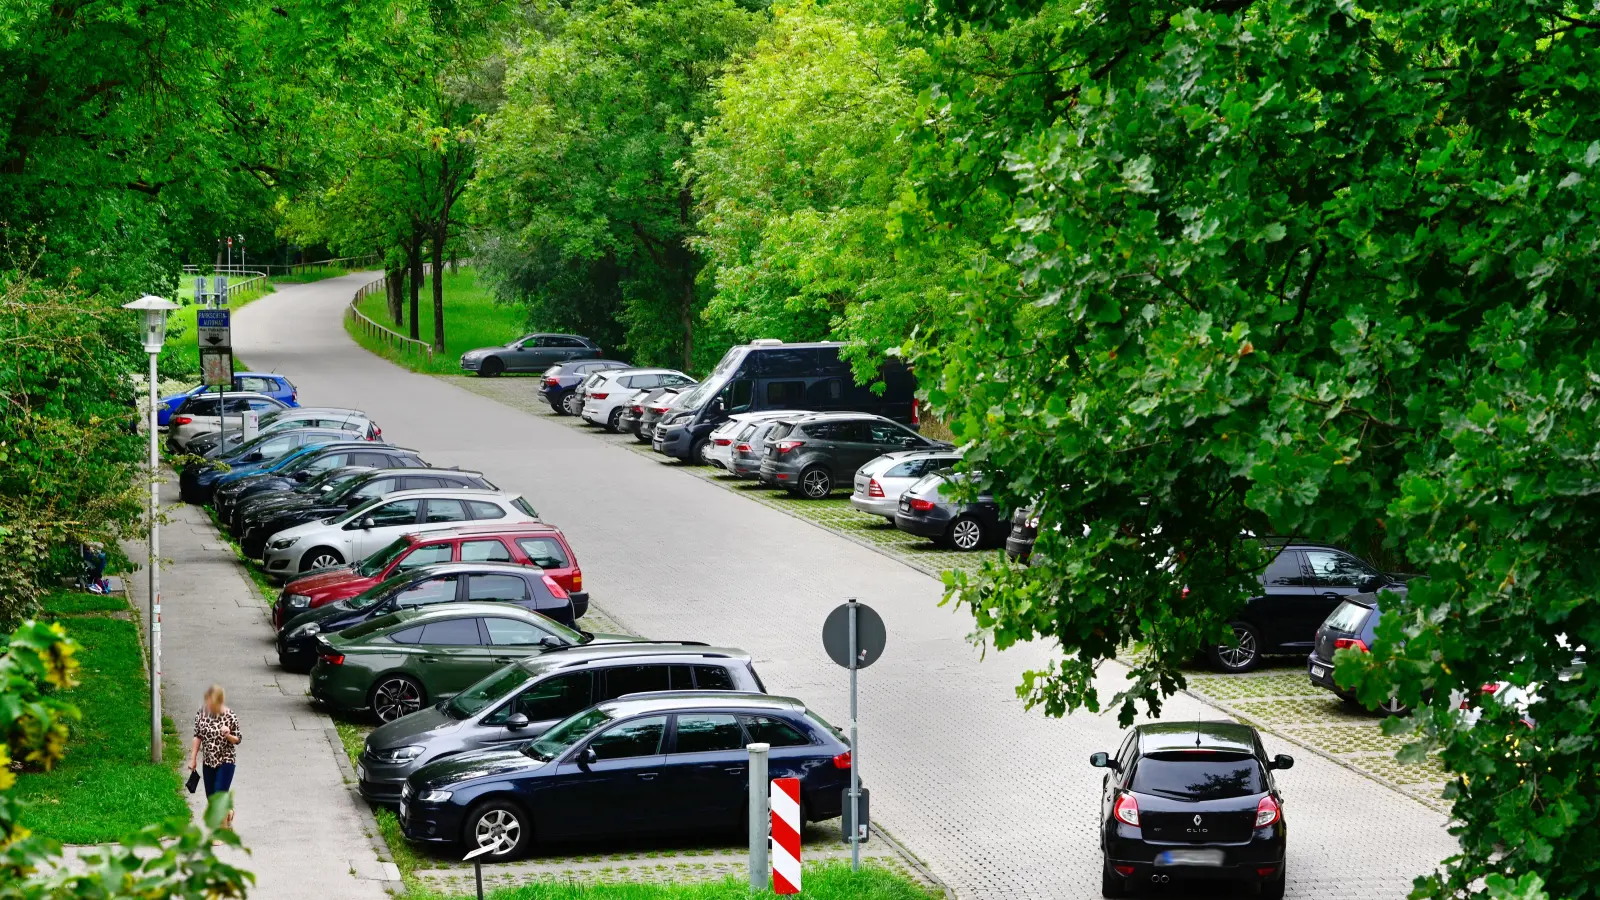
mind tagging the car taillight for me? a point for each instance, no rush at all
(723, 442)
(786, 446)
(553, 382)
(874, 489)
(577, 579)
(1266, 811)
(1343, 643)
(181, 420)
(922, 505)
(842, 761)
(1124, 870)
(743, 448)
(332, 659)
(599, 396)
(915, 418)
(556, 589)
(639, 410)
(658, 409)
(1127, 809)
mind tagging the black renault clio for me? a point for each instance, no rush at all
(1191, 800)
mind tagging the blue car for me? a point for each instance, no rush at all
(197, 483)
(275, 386)
(561, 379)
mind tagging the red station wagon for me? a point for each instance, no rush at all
(531, 544)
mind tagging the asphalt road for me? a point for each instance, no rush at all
(997, 800)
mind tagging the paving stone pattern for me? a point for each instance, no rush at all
(997, 800)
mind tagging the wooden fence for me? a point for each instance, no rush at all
(389, 336)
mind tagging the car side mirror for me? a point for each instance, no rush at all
(302, 476)
(588, 758)
(254, 457)
(1102, 761)
(549, 642)
(911, 443)
(367, 524)
(1281, 761)
(1372, 584)
(517, 722)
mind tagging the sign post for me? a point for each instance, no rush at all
(759, 819)
(854, 636)
(214, 333)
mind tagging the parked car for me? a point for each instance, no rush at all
(928, 508)
(604, 398)
(304, 466)
(573, 404)
(1301, 586)
(507, 583)
(398, 663)
(258, 524)
(360, 532)
(879, 483)
(644, 763)
(271, 384)
(204, 413)
(1191, 800)
(322, 485)
(521, 701)
(750, 447)
(1353, 623)
(533, 544)
(560, 379)
(719, 449)
(806, 455)
(663, 405)
(769, 374)
(529, 353)
(353, 422)
(197, 481)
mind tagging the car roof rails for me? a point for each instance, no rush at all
(624, 644)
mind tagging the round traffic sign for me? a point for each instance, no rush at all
(870, 635)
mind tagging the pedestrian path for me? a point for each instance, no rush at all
(307, 832)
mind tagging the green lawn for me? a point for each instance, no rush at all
(830, 881)
(181, 352)
(309, 275)
(107, 786)
(472, 319)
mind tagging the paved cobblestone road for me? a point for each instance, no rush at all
(998, 801)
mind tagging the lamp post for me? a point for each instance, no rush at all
(155, 311)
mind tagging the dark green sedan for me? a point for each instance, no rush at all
(398, 663)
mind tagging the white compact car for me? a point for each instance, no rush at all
(203, 414)
(365, 529)
(879, 483)
(605, 396)
(719, 445)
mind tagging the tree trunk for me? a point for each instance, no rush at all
(394, 286)
(687, 314)
(438, 285)
(414, 256)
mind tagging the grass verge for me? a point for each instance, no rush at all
(829, 881)
(472, 319)
(107, 786)
(315, 274)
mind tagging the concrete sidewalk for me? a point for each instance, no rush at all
(308, 833)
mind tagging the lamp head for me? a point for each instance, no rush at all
(155, 319)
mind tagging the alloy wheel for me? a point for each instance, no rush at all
(1241, 656)
(324, 561)
(1393, 707)
(816, 484)
(497, 828)
(572, 404)
(700, 451)
(966, 534)
(396, 697)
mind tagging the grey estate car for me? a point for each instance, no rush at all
(522, 700)
(808, 455)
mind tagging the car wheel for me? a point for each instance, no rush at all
(1111, 884)
(499, 824)
(613, 422)
(816, 483)
(1393, 707)
(572, 404)
(320, 558)
(491, 367)
(1244, 657)
(697, 453)
(966, 533)
(1273, 890)
(395, 696)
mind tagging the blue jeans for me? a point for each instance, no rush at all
(217, 779)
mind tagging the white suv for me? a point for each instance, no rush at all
(605, 396)
(355, 534)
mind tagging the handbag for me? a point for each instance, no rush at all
(194, 780)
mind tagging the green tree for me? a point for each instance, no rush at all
(1312, 269)
(584, 169)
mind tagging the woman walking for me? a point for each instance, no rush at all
(216, 733)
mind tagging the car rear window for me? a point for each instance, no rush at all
(1198, 776)
(780, 431)
(1348, 618)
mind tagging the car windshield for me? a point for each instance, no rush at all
(331, 480)
(351, 514)
(377, 562)
(490, 690)
(380, 590)
(691, 398)
(1198, 776)
(558, 739)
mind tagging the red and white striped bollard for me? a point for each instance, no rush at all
(785, 804)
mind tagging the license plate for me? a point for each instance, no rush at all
(1318, 671)
(1189, 858)
(361, 772)
(405, 811)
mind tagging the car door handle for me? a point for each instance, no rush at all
(734, 770)
(430, 659)
(505, 659)
(1332, 595)
(646, 776)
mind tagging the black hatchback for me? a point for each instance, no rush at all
(524, 586)
(1191, 800)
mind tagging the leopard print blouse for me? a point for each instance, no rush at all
(214, 749)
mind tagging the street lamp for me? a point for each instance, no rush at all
(155, 331)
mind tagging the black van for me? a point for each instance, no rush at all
(769, 374)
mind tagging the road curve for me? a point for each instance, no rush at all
(998, 801)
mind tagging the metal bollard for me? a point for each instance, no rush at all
(760, 818)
